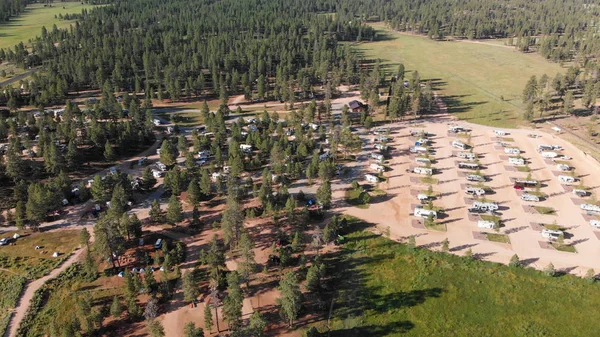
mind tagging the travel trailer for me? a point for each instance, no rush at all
(371, 178)
(566, 179)
(466, 155)
(529, 197)
(470, 166)
(417, 149)
(512, 150)
(516, 161)
(459, 145)
(475, 191)
(551, 234)
(423, 170)
(490, 206)
(424, 213)
(486, 224)
(474, 177)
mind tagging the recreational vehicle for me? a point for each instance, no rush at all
(475, 177)
(551, 234)
(580, 193)
(526, 183)
(512, 150)
(423, 160)
(382, 147)
(470, 166)
(490, 206)
(563, 167)
(455, 129)
(246, 148)
(590, 207)
(475, 191)
(516, 161)
(377, 167)
(566, 179)
(417, 149)
(423, 170)
(459, 145)
(371, 178)
(466, 155)
(422, 197)
(595, 223)
(424, 213)
(486, 224)
(544, 147)
(529, 197)
(500, 133)
(549, 154)
(377, 156)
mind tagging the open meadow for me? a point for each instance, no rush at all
(386, 289)
(481, 82)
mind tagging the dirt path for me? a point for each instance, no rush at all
(19, 312)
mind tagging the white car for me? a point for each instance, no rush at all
(4, 241)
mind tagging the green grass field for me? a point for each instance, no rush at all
(384, 289)
(472, 76)
(29, 24)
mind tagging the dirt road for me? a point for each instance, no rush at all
(19, 312)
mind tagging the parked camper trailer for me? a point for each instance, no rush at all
(580, 193)
(475, 191)
(455, 129)
(470, 166)
(382, 147)
(563, 167)
(381, 131)
(590, 207)
(500, 133)
(489, 206)
(377, 167)
(459, 145)
(551, 234)
(377, 156)
(422, 197)
(371, 178)
(566, 179)
(544, 147)
(549, 154)
(246, 148)
(423, 160)
(595, 223)
(526, 183)
(423, 170)
(486, 224)
(424, 213)
(466, 155)
(516, 161)
(475, 177)
(512, 150)
(417, 149)
(530, 197)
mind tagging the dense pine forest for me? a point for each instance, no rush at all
(169, 48)
(11, 8)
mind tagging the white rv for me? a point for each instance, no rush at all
(459, 145)
(512, 150)
(466, 155)
(580, 193)
(486, 224)
(381, 147)
(475, 191)
(590, 207)
(381, 131)
(377, 156)
(161, 166)
(549, 154)
(377, 167)
(516, 161)
(246, 148)
(566, 179)
(424, 213)
(422, 197)
(563, 167)
(203, 154)
(500, 133)
(475, 177)
(417, 149)
(551, 234)
(470, 166)
(544, 147)
(455, 129)
(595, 223)
(488, 206)
(371, 178)
(423, 160)
(529, 197)
(423, 170)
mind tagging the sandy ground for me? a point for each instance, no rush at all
(394, 210)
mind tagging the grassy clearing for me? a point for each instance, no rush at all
(563, 247)
(540, 195)
(545, 210)
(22, 258)
(382, 288)
(356, 198)
(429, 180)
(523, 168)
(482, 83)
(436, 226)
(493, 218)
(496, 237)
(30, 23)
(508, 139)
(553, 227)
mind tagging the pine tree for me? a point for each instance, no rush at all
(257, 324)
(232, 305)
(116, 308)
(190, 288)
(156, 214)
(148, 178)
(205, 183)
(167, 153)
(247, 265)
(232, 222)
(109, 153)
(72, 157)
(291, 298)
(174, 211)
(190, 330)
(324, 194)
(193, 193)
(208, 319)
(313, 278)
(156, 329)
(514, 261)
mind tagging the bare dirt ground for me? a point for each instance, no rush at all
(394, 211)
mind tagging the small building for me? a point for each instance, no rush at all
(356, 106)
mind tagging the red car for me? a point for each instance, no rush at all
(519, 187)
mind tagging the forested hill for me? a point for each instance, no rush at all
(567, 27)
(11, 8)
(168, 46)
